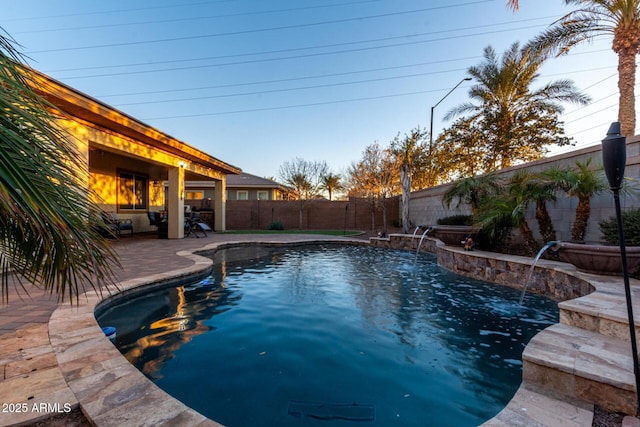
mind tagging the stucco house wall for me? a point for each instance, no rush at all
(116, 146)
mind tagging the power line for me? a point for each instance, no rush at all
(105, 12)
(259, 30)
(198, 18)
(590, 105)
(254, 61)
(290, 79)
(198, 98)
(173, 61)
(286, 107)
(288, 89)
(321, 76)
(313, 104)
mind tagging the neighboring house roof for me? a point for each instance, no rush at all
(243, 180)
(91, 110)
(247, 180)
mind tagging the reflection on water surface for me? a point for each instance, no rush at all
(334, 325)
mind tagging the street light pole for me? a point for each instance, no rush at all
(437, 103)
(614, 159)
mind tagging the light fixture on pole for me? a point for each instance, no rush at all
(432, 108)
(614, 160)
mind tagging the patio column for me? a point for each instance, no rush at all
(175, 203)
(220, 202)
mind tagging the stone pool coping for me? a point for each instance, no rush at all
(91, 373)
(67, 362)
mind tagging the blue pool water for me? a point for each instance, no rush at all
(332, 336)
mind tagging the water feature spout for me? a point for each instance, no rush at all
(418, 227)
(428, 229)
(533, 265)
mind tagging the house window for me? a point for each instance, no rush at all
(242, 195)
(133, 191)
(195, 195)
(263, 195)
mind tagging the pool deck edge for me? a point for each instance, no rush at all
(66, 361)
(54, 357)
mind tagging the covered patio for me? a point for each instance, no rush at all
(129, 161)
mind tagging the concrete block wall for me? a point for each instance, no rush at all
(426, 205)
(354, 214)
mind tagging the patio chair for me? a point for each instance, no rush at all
(117, 225)
(154, 218)
(193, 225)
(158, 220)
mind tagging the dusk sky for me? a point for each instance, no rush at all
(256, 83)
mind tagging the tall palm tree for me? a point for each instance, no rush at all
(410, 153)
(518, 122)
(593, 18)
(48, 223)
(331, 182)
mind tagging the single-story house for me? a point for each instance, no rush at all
(243, 186)
(130, 161)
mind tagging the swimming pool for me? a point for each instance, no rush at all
(332, 335)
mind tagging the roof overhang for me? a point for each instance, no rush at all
(77, 104)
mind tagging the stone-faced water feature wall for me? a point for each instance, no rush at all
(491, 267)
(585, 359)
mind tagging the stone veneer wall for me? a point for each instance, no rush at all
(503, 269)
(426, 206)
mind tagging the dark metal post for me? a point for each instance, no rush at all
(346, 213)
(614, 159)
(432, 108)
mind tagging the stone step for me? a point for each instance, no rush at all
(604, 311)
(582, 364)
(534, 406)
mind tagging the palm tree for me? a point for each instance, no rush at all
(517, 122)
(472, 191)
(581, 182)
(508, 208)
(48, 223)
(301, 186)
(302, 190)
(410, 152)
(542, 188)
(593, 18)
(331, 182)
(521, 194)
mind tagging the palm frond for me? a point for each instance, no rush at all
(47, 219)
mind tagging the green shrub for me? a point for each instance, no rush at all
(456, 220)
(276, 225)
(496, 235)
(630, 225)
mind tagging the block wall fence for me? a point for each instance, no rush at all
(354, 214)
(426, 206)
